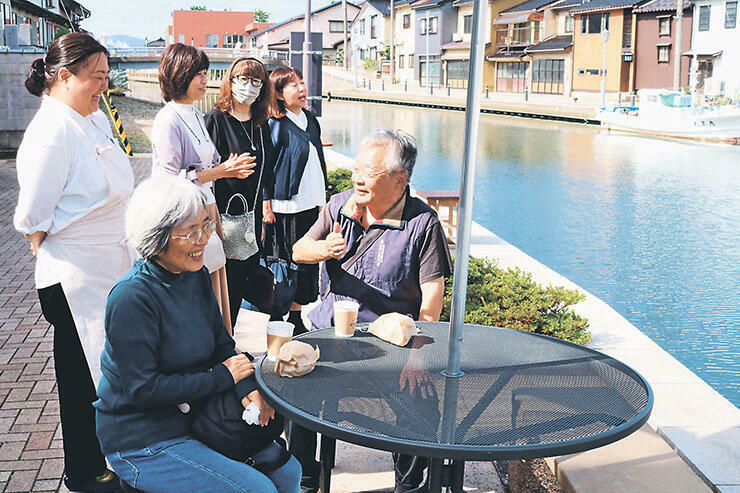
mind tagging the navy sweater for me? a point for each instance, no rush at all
(165, 344)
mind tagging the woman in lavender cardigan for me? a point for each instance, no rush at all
(181, 146)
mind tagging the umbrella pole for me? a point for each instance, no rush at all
(472, 117)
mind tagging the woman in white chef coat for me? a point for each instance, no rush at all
(75, 182)
(182, 146)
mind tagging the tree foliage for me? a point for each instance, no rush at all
(198, 7)
(510, 298)
(261, 15)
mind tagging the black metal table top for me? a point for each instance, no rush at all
(522, 396)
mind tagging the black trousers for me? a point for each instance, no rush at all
(238, 275)
(83, 459)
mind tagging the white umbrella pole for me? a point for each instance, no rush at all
(465, 218)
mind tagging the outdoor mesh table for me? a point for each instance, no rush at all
(522, 396)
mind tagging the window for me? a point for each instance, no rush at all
(373, 27)
(5, 11)
(664, 26)
(406, 21)
(373, 53)
(594, 23)
(422, 26)
(468, 24)
(435, 70)
(362, 27)
(411, 60)
(181, 38)
(730, 15)
(664, 54)
(400, 61)
(569, 23)
(433, 25)
(547, 76)
(211, 40)
(457, 73)
(336, 26)
(511, 76)
(231, 40)
(704, 18)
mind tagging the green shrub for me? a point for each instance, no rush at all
(370, 64)
(339, 181)
(510, 298)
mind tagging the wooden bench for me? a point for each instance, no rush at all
(444, 198)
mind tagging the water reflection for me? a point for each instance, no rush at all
(650, 226)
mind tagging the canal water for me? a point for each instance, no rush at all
(650, 226)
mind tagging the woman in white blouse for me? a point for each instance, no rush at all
(75, 182)
(182, 146)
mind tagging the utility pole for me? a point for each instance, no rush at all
(307, 52)
(604, 38)
(426, 33)
(393, 44)
(679, 43)
(346, 48)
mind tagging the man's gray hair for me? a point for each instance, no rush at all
(156, 206)
(401, 155)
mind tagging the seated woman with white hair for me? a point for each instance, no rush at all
(166, 344)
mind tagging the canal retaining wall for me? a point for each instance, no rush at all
(690, 419)
(17, 105)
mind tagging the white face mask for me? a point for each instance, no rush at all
(244, 92)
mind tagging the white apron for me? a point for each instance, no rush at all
(91, 255)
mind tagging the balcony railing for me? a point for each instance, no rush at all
(517, 36)
(157, 51)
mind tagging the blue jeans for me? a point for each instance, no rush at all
(185, 464)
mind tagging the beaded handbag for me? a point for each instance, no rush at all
(240, 242)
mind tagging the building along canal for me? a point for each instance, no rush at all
(650, 226)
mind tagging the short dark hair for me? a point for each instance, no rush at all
(71, 51)
(178, 67)
(281, 77)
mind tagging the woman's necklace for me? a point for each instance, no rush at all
(249, 136)
(191, 130)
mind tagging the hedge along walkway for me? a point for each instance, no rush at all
(31, 457)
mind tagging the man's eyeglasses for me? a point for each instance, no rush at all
(367, 172)
(244, 79)
(194, 236)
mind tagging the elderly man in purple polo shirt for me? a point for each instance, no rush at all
(382, 248)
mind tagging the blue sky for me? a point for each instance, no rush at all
(150, 18)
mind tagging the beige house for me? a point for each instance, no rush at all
(551, 60)
(404, 39)
(456, 53)
(371, 35)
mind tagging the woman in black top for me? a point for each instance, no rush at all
(237, 124)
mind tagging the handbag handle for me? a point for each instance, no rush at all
(244, 201)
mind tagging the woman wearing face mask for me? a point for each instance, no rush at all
(181, 146)
(238, 124)
(74, 182)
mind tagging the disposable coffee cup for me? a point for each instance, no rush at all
(278, 333)
(345, 317)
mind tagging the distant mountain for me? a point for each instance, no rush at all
(122, 41)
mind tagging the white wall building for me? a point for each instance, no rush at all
(370, 32)
(715, 48)
(404, 39)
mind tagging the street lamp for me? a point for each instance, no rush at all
(604, 38)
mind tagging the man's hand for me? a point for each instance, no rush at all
(416, 377)
(335, 245)
(266, 412)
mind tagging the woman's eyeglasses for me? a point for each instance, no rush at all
(244, 79)
(194, 236)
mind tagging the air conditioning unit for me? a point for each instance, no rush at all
(456, 37)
